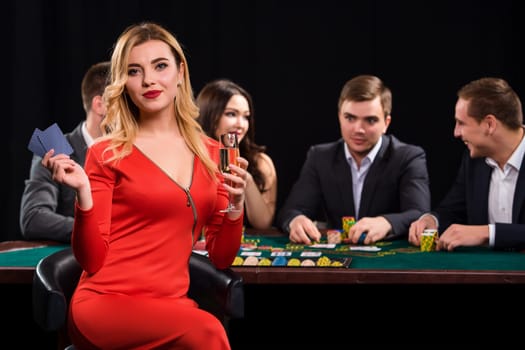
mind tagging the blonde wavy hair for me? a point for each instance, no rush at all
(120, 124)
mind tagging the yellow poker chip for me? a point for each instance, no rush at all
(323, 261)
(238, 261)
(264, 262)
(294, 262)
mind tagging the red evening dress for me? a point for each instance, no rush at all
(134, 245)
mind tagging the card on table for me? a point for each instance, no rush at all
(43, 140)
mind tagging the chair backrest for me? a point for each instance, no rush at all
(220, 292)
(54, 281)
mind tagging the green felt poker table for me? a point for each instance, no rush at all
(18, 259)
(390, 262)
(393, 262)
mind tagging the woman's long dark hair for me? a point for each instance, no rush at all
(212, 101)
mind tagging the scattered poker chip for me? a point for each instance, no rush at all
(294, 262)
(307, 262)
(251, 261)
(237, 261)
(264, 262)
(279, 261)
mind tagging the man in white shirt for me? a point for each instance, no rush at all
(486, 204)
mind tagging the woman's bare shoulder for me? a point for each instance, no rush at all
(265, 164)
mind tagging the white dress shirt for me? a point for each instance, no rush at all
(502, 188)
(87, 137)
(359, 174)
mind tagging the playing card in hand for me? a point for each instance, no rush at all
(51, 138)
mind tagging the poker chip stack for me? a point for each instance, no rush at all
(348, 221)
(428, 240)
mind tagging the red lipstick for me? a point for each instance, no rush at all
(152, 94)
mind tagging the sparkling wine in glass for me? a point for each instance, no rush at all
(228, 151)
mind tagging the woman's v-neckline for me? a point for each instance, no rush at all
(151, 161)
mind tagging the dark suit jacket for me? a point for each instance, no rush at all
(396, 186)
(47, 208)
(467, 203)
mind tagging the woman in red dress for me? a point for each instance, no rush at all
(149, 187)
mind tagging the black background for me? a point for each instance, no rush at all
(292, 56)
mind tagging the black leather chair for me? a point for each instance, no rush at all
(220, 292)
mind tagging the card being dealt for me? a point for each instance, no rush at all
(52, 137)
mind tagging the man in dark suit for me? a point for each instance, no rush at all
(46, 209)
(379, 180)
(486, 204)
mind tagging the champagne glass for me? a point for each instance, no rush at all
(228, 151)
